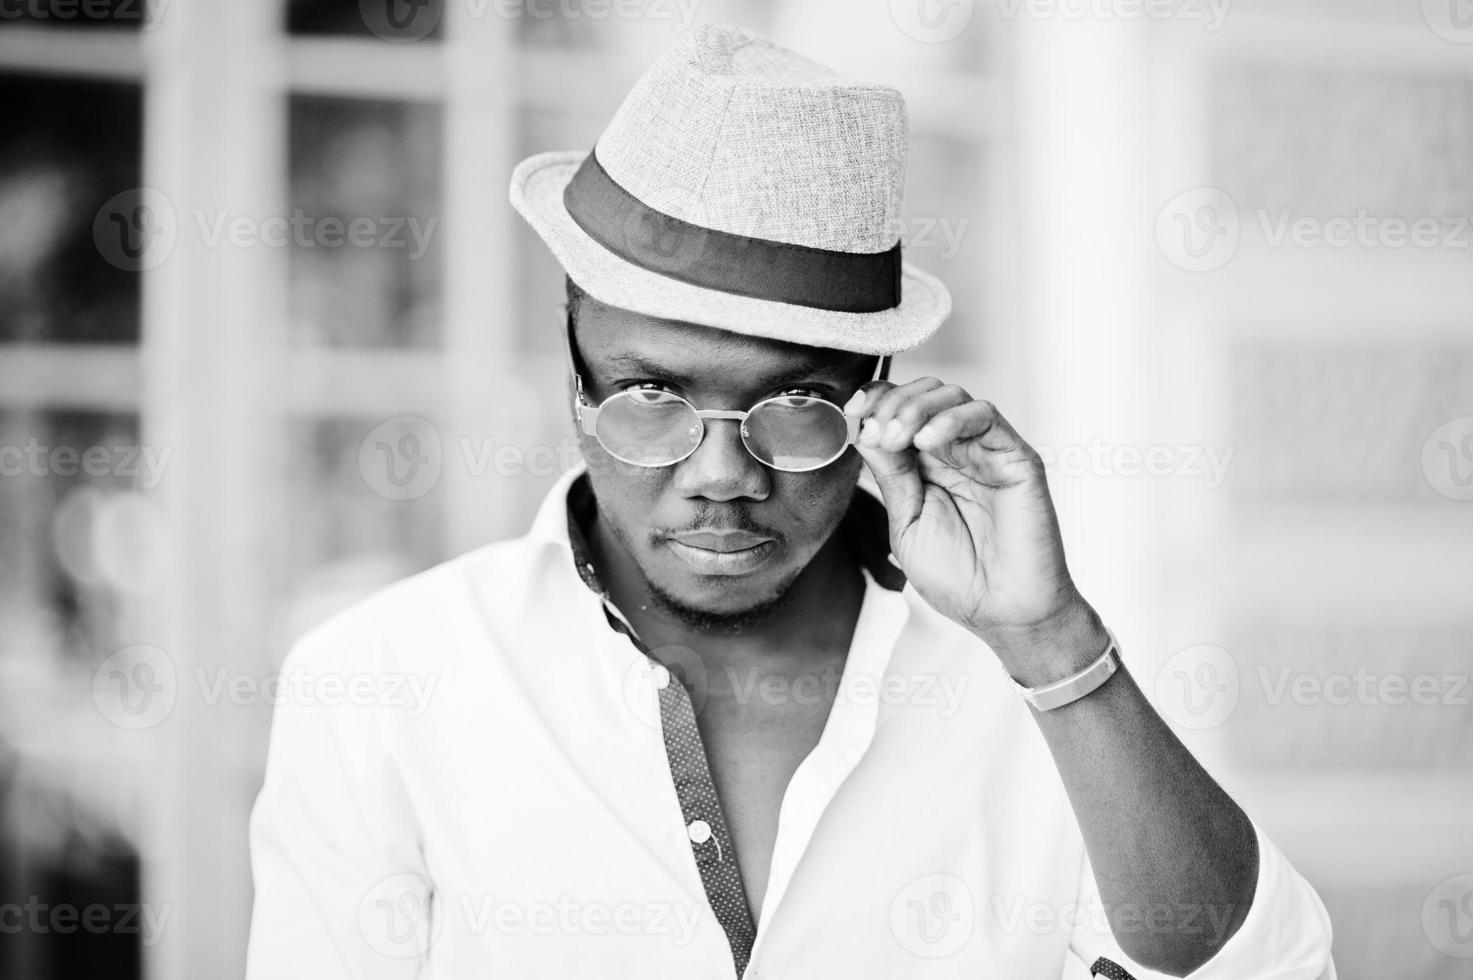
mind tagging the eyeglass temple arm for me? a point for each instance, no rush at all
(585, 413)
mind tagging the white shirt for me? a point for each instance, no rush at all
(470, 780)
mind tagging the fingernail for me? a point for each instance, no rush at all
(927, 433)
(869, 433)
(855, 405)
(892, 432)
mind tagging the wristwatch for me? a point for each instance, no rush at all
(1075, 686)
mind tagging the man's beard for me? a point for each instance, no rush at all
(732, 623)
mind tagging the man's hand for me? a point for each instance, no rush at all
(973, 526)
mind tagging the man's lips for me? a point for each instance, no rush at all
(724, 542)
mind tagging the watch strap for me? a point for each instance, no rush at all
(1059, 693)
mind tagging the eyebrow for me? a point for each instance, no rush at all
(636, 364)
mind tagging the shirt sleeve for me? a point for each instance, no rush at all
(1286, 935)
(341, 890)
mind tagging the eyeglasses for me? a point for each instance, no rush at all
(651, 427)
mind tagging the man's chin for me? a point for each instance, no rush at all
(723, 603)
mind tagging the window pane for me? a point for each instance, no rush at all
(72, 226)
(539, 278)
(366, 509)
(366, 214)
(78, 546)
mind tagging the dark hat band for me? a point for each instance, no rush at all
(843, 282)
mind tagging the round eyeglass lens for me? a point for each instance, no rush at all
(796, 432)
(648, 427)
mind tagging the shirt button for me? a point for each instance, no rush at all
(662, 676)
(700, 831)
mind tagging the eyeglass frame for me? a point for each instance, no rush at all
(587, 415)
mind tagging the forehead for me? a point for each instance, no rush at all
(607, 335)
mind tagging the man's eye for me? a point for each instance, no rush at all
(647, 386)
(802, 391)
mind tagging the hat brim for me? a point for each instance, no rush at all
(537, 187)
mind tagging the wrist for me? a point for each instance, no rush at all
(1048, 651)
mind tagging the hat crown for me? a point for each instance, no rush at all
(732, 132)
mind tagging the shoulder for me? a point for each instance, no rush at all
(428, 615)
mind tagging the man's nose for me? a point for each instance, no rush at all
(721, 468)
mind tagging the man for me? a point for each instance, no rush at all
(721, 713)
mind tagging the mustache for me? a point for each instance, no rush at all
(721, 518)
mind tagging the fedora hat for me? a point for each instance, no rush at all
(742, 186)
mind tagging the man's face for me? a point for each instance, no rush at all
(718, 533)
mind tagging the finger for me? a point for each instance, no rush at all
(955, 436)
(970, 420)
(865, 397)
(916, 411)
(882, 398)
(899, 480)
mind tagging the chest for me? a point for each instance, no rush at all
(758, 728)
